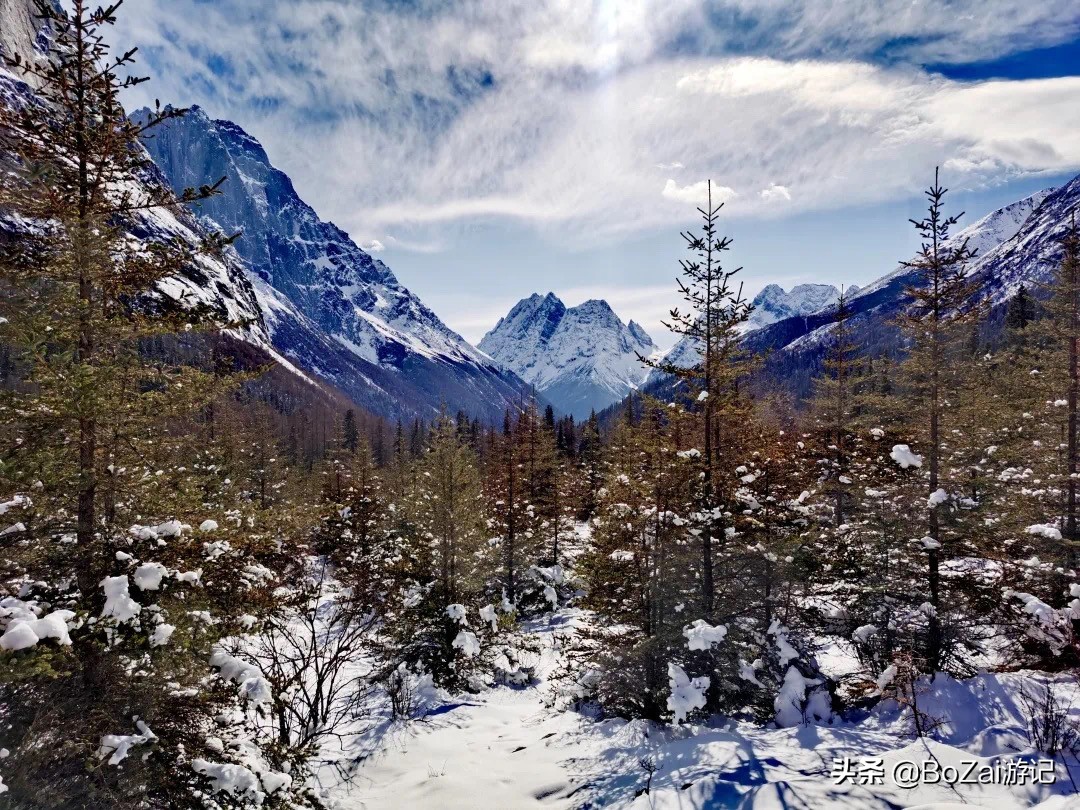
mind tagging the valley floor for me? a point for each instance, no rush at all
(507, 748)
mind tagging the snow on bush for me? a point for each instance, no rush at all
(161, 635)
(18, 502)
(936, 498)
(863, 634)
(702, 636)
(887, 676)
(118, 603)
(1051, 626)
(120, 745)
(457, 614)
(253, 685)
(19, 637)
(785, 652)
(273, 781)
(208, 526)
(24, 628)
(686, 694)
(903, 456)
(800, 700)
(1044, 530)
(170, 528)
(748, 672)
(551, 596)
(148, 576)
(233, 779)
(488, 614)
(468, 644)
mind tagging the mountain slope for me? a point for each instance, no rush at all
(1017, 243)
(580, 358)
(331, 307)
(217, 282)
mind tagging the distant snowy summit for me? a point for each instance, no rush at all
(580, 359)
(773, 304)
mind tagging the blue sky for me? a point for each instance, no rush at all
(495, 148)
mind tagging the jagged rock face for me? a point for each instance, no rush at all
(218, 284)
(580, 358)
(332, 307)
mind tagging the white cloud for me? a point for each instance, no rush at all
(373, 246)
(697, 193)
(775, 193)
(558, 114)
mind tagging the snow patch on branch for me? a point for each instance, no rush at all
(1044, 530)
(702, 636)
(686, 694)
(118, 602)
(120, 745)
(902, 455)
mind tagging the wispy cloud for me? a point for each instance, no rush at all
(408, 119)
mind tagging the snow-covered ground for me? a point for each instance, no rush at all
(509, 748)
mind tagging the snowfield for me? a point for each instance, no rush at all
(510, 748)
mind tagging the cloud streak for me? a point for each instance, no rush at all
(400, 121)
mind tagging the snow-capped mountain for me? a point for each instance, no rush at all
(218, 284)
(329, 306)
(580, 358)
(1019, 243)
(772, 304)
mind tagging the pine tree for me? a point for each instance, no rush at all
(942, 302)
(1021, 311)
(444, 568)
(1057, 382)
(350, 435)
(716, 311)
(836, 400)
(112, 419)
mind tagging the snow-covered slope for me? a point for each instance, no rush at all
(336, 309)
(1018, 243)
(580, 358)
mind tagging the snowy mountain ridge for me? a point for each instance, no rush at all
(1017, 243)
(774, 303)
(335, 308)
(580, 358)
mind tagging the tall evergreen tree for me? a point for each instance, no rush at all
(942, 303)
(716, 310)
